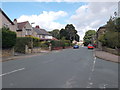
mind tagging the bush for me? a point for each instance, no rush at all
(29, 41)
(21, 42)
(44, 44)
(61, 43)
(8, 38)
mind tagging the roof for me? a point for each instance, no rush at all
(102, 27)
(6, 16)
(21, 25)
(41, 31)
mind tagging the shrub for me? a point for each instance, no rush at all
(29, 41)
(8, 38)
(44, 44)
(61, 43)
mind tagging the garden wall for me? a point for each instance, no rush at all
(8, 52)
(110, 50)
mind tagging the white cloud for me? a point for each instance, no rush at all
(46, 20)
(92, 16)
(89, 16)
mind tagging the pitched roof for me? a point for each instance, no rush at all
(102, 27)
(6, 16)
(21, 25)
(41, 31)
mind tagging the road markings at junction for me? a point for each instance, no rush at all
(12, 72)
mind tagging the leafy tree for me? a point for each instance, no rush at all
(110, 25)
(69, 33)
(88, 36)
(63, 33)
(118, 24)
(111, 37)
(55, 33)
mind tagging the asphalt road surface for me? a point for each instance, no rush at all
(68, 68)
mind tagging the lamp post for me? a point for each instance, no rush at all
(32, 38)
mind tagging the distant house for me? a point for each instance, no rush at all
(24, 29)
(100, 32)
(42, 34)
(6, 22)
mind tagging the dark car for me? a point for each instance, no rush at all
(90, 46)
(75, 46)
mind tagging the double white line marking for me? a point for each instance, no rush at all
(12, 72)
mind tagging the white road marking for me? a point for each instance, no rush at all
(12, 72)
(93, 68)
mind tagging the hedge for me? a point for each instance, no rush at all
(8, 38)
(61, 43)
(22, 41)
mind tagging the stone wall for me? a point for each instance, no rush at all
(110, 50)
(7, 52)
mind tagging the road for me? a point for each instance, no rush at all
(68, 68)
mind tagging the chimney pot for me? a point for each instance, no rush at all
(37, 26)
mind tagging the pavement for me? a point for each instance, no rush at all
(20, 56)
(107, 56)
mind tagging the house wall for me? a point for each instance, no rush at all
(0, 20)
(48, 37)
(24, 31)
(5, 22)
(100, 32)
(19, 33)
(35, 34)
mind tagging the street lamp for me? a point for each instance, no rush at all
(32, 38)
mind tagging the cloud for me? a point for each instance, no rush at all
(46, 20)
(60, 0)
(92, 16)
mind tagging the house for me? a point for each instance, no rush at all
(6, 22)
(100, 32)
(24, 29)
(42, 34)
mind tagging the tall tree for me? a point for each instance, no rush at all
(69, 33)
(88, 37)
(63, 33)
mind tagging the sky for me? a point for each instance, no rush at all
(56, 15)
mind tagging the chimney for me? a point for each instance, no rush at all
(37, 26)
(15, 21)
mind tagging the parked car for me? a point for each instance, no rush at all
(90, 46)
(75, 46)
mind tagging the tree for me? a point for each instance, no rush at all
(69, 33)
(111, 37)
(118, 24)
(88, 37)
(55, 33)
